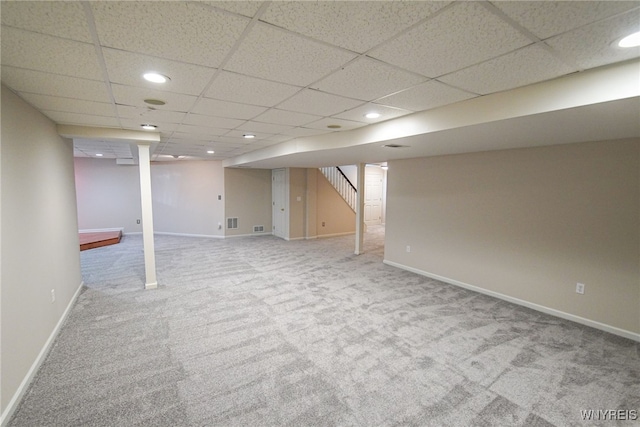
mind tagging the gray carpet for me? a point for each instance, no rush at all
(259, 331)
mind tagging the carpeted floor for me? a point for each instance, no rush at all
(260, 331)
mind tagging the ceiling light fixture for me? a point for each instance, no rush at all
(210, 152)
(372, 115)
(632, 40)
(148, 126)
(248, 135)
(154, 77)
(99, 154)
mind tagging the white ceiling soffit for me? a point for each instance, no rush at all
(510, 119)
(289, 72)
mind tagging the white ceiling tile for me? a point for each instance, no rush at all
(135, 124)
(55, 85)
(529, 65)
(149, 115)
(182, 31)
(592, 45)
(127, 68)
(135, 96)
(245, 8)
(368, 79)
(329, 121)
(257, 127)
(386, 113)
(203, 131)
(249, 90)
(357, 26)
(305, 131)
(232, 141)
(233, 110)
(108, 149)
(62, 19)
(428, 95)
(280, 138)
(69, 105)
(240, 135)
(274, 54)
(550, 18)
(49, 54)
(210, 121)
(81, 119)
(189, 138)
(461, 35)
(283, 117)
(319, 103)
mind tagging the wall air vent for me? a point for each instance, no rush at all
(258, 228)
(232, 223)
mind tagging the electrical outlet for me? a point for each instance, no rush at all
(580, 288)
(53, 295)
(323, 223)
(408, 248)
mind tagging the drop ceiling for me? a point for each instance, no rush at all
(289, 72)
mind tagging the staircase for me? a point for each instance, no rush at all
(341, 183)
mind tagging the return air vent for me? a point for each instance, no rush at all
(258, 228)
(232, 223)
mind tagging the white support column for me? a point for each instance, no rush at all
(147, 217)
(360, 210)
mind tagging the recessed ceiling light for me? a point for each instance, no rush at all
(632, 40)
(334, 126)
(154, 77)
(149, 127)
(210, 152)
(248, 135)
(154, 102)
(99, 154)
(372, 115)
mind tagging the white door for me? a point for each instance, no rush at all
(278, 191)
(373, 195)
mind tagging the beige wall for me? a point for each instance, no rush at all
(311, 209)
(527, 223)
(332, 210)
(297, 203)
(108, 195)
(185, 197)
(247, 197)
(40, 248)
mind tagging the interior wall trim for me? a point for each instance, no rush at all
(547, 310)
(24, 385)
(168, 233)
(246, 235)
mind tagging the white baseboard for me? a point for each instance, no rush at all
(322, 236)
(101, 230)
(208, 236)
(248, 235)
(24, 385)
(547, 310)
